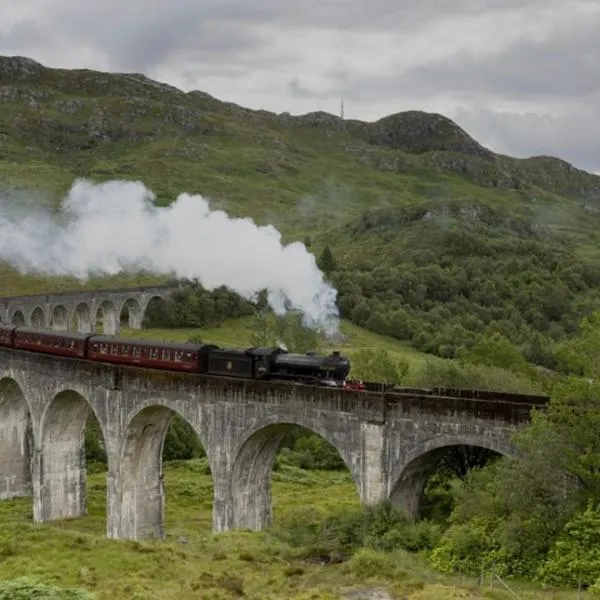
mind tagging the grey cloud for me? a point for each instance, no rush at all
(335, 13)
(23, 33)
(392, 15)
(135, 37)
(138, 34)
(297, 89)
(564, 64)
(573, 137)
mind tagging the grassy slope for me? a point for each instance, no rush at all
(75, 554)
(306, 175)
(235, 333)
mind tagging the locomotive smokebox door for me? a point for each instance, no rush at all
(230, 363)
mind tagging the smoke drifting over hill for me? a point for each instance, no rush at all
(113, 227)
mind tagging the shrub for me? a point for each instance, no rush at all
(25, 588)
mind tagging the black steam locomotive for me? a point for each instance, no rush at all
(251, 363)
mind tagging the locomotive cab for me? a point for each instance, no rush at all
(262, 360)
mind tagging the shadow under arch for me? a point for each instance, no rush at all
(16, 440)
(409, 481)
(63, 477)
(156, 312)
(38, 318)
(130, 314)
(106, 320)
(81, 319)
(59, 319)
(251, 496)
(18, 318)
(141, 476)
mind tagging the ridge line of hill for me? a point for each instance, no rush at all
(415, 132)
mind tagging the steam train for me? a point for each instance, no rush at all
(208, 359)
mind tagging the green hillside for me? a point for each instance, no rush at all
(236, 333)
(413, 368)
(436, 240)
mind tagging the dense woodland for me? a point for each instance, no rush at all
(468, 280)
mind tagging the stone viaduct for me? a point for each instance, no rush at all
(79, 311)
(389, 442)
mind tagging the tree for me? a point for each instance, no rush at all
(361, 312)
(181, 441)
(581, 355)
(287, 331)
(495, 350)
(378, 365)
(515, 511)
(261, 330)
(294, 335)
(326, 261)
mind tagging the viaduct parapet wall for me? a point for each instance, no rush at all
(389, 442)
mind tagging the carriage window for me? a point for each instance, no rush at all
(153, 354)
(166, 355)
(137, 352)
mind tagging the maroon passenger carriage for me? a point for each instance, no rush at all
(147, 353)
(61, 343)
(6, 335)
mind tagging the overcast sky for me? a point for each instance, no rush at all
(521, 76)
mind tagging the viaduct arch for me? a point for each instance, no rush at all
(388, 441)
(83, 311)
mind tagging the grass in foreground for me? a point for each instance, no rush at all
(194, 563)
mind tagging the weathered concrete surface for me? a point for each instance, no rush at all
(388, 442)
(79, 311)
(16, 441)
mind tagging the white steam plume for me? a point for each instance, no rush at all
(113, 227)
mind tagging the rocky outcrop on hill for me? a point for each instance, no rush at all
(19, 68)
(418, 132)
